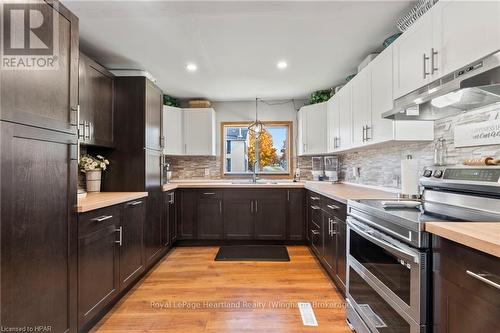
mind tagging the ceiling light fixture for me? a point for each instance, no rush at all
(257, 127)
(282, 64)
(191, 67)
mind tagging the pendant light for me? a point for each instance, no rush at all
(257, 127)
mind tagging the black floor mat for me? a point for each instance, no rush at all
(252, 253)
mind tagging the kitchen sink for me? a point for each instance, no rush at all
(250, 182)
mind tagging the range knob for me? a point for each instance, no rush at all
(427, 173)
(438, 174)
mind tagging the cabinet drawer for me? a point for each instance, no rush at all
(94, 220)
(210, 194)
(468, 268)
(335, 208)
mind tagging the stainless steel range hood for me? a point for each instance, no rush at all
(470, 87)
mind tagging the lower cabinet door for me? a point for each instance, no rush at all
(187, 207)
(296, 214)
(131, 241)
(238, 211)
(210, 222)
(270, 215)
(152, 227)
(340, 254)
(98, 278)
(329, 243)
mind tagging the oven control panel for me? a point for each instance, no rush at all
(489, 174)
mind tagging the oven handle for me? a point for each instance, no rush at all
(388, 246)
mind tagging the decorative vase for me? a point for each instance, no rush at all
(93, 179)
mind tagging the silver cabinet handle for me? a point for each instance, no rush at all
(364, 134)
(220, 206)
(251, 206)
(86, 130)
(288, 195)
(315, 198)
(367, 128)
(102, 218)
(256, 206)
(315, 232)
(209, 193)
(334, 222)
(91, 130)
(329, 226)
(134, 203)
(433, 65)
(172, 198)
(315, 207)
(425, 58)
(333, 207)
(120, 239)
(481, 277)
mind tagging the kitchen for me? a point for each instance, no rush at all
(155, 177)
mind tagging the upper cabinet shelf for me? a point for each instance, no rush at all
(189, 132)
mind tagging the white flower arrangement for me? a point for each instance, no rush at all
(90, 163)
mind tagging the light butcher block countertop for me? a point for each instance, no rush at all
(482, 236)
(104, 199)
(344, 192)
(339, 192)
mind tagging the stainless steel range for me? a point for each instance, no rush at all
(388, 261)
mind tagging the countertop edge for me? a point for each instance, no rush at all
(464, 238)
(108, 199)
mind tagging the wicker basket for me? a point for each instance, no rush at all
(199, 103)
(415, 13)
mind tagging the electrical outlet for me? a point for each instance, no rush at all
(207, 172)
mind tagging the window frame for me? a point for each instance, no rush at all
(281, 175)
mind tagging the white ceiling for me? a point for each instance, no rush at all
(236, 44)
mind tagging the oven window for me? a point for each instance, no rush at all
(380, 314)
(383, 264)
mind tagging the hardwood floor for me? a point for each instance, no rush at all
(189, 292)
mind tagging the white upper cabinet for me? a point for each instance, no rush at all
(412, 58)
(312, 129)
(451, 35)
(199, 132)
(173, 130)
(465, 31)
(333, 126)
(345, 117)
(382, 96)
(361, 106)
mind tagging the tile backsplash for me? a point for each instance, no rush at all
(379, 165)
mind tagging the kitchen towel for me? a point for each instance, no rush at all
(409, 177)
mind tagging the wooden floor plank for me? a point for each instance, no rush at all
(189, 292)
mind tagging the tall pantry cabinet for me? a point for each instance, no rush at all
(139, 145)
(38, 177)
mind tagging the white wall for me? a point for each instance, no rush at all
(245, 111)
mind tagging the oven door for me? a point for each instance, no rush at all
(395, 271)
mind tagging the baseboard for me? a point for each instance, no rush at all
(220, 242)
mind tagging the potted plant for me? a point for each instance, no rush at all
(93, 167)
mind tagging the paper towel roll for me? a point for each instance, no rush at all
(409, 177)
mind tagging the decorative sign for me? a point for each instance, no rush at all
(478, 134)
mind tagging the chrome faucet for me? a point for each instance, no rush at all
(254, 174)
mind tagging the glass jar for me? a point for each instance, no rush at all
(440, 152)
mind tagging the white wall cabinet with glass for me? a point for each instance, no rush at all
(452, 34)
(189, 132)
(312, 131)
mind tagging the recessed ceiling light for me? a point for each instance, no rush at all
(282, 64)
(191, 67)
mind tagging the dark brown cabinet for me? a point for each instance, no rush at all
(238, 215)
(326, 220)
(296, 214)
(46, 98)
(154, 103)
(137, 125)
(209, 221)
(188, 214)
(131, 241)
(95, 97)
(38, 173)
(98, 261)
(270, 215)
(171, 204)
(466, 296)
